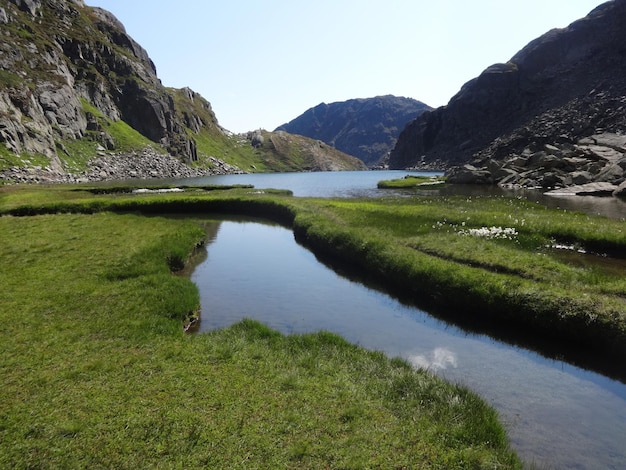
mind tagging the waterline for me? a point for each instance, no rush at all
(557, 415)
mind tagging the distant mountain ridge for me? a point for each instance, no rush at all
(365, 127)
(562, 88)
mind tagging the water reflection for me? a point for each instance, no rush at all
(439, 359)
(349, 184)
(558, 415)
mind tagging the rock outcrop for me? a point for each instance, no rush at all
(365, 128)
(549, 117)
(595, 164)
(58, 56)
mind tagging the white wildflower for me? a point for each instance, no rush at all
(491, 232)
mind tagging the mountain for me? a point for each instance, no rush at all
(366, 128)
(76, 88)
(283, 151)
(554, 109)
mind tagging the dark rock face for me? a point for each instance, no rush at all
(58, 56)
(567, 85)
(365, 128)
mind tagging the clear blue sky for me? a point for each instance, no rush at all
(262, 63)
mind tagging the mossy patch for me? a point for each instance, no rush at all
(412, 181)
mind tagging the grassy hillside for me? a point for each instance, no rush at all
(282, 151)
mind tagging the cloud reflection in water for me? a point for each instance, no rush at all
(438, 359)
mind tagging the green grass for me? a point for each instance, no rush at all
(96, 371)
(422, 249)
(128, 139)
(77, 154)
(231, 149)
(10, 79)
(9, 159)
(125, 137)
(411, 181)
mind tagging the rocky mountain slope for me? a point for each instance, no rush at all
(283, 151)
(366, 128)
(75, 86)
(551, 116)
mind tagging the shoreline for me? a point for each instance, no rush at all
(144, 164)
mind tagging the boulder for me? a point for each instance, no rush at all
(581, 177)
(620, 191)
(544, 160)
(589, 189)
(505, 175)
(552, 179)
(598, 158)
(609, 139)
(468, 174)
(256, 138)
(612, 173)
(600, 152)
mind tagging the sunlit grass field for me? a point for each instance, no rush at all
(96, 371)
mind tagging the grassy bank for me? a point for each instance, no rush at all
(484, 262)
(476, 263)
(96, 372)
(413, 181)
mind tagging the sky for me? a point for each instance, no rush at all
(262, 63)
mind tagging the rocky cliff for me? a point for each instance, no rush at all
(537, 111)
(366, 128)
(59, 56)
(78, 95)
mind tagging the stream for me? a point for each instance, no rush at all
(557, 415)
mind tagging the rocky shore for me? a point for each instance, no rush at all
(593, 165)
(146, 164)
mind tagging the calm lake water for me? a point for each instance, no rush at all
(363, 184)
(315, 184)
(558, 416)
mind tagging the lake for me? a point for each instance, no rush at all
(558, 416)
(363, 184)
(313, 184)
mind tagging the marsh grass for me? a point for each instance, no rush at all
(421, 249)
(96, 372)
(412, 181)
